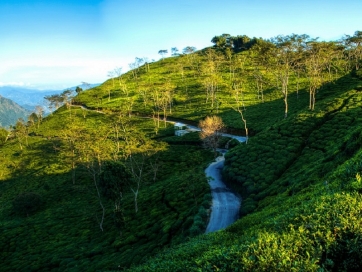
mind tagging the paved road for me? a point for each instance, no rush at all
(239, 138)
(225, 204)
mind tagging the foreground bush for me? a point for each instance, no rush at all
(27, 203)
(320, 235)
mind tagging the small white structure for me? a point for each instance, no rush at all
(179, 126)
(181, 132)
(182, 129)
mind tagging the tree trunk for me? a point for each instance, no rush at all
(135, 200)
(286, 106)
(100, 201)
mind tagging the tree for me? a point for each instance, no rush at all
(239, 106)
(139, 152)
(282, 59)
(95, 147)
(134, 66)
(32, 119)
(174, 51)
(54, 101)
(20, 130)
(111, 75)
(136, 152)
(242, 42)
(317, 57)
(165, 99)
(189, 50)
(354, 48)
(212, 77)
(219, 41)
(260, 58)
(86, 85)
(67, 98)
(211, 128)
(222, 41)
(78, 90)
(157, 105)
(4, 135)
(118, 73)
(72, 134)
(114, 179)
(139, 62)
(39, 111)
(162, 52)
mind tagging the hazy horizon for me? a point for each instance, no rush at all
(57, 44)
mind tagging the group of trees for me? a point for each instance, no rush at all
(117, 156)
(115, 148)
(64, 98)
(234, 68)
(283, 60)
(237, 43)
(239, 65)
(20, 131)
(174, 51)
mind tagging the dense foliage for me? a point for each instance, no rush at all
(107, 189)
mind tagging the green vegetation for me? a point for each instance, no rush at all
(96, 186)
(40, 199)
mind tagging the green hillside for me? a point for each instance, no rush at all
(103, 185)
(10, 112)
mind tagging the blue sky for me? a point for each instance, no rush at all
(54, 44)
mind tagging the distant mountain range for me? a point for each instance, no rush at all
(10, 112)
(18, 102)
(30, 98)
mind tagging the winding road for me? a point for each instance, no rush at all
(225, 204)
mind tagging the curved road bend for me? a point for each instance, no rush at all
(225, 204)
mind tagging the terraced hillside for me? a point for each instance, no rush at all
(102, 184)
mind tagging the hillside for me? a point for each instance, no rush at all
(300, 183)
(107, 186)
(10, 112)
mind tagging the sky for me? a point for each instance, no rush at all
(55, 44)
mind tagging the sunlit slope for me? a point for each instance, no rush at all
(294, 153)
(299, 176)
(300, 181)
(187, 80)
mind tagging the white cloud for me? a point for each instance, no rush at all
(56, 72)
(15, 84)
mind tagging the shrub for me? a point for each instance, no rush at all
(233, 143)
(27, 203)
(247, 206)
(359, 74)
(113, 179)
(195, 230)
